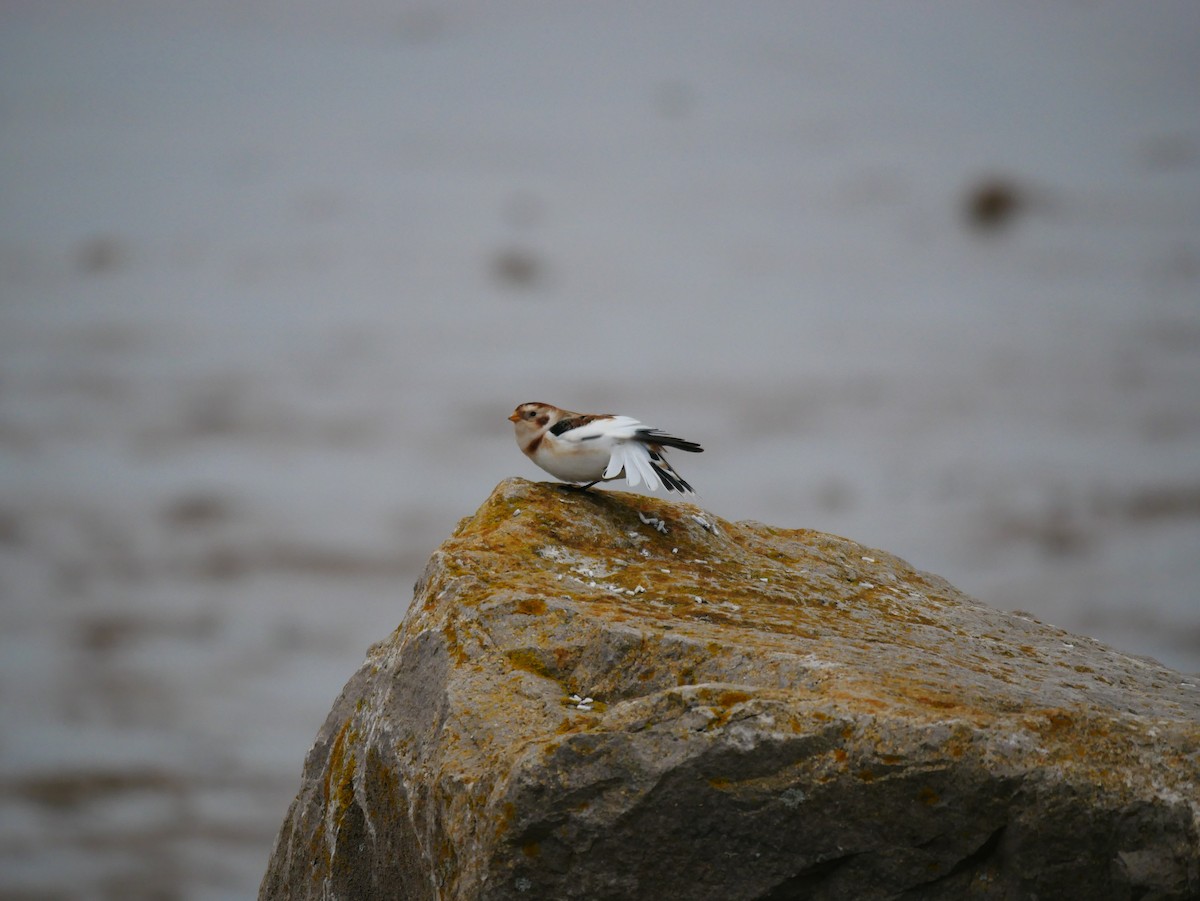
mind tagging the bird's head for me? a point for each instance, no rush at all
(533, 416)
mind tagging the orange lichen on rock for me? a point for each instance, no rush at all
(600, 694)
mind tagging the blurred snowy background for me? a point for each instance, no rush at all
(272, 275)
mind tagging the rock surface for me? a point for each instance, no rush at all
(777, 714)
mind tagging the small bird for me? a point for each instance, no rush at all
(596, 447)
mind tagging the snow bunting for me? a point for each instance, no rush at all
(595, 447)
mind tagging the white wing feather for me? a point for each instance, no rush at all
(617, 428)
(615, 464)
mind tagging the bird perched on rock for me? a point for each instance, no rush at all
(594, 447)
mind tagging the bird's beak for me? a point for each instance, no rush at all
(514, 417)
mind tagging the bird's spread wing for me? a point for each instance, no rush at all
(643, 463)
(635, 460)
(634, 448)
(618, 435)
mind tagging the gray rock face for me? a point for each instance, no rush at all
(776, 715)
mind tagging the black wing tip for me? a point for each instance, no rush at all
(654, 436)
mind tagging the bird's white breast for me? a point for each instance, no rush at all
(573, 461)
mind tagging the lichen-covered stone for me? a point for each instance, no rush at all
(776, 714)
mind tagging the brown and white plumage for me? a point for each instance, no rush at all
(593, 447)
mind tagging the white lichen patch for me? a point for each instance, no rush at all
(792, 797)
(554, 553)
(585, 568)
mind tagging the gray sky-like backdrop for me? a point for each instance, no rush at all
(272, 276)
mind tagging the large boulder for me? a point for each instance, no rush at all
(775, 714)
